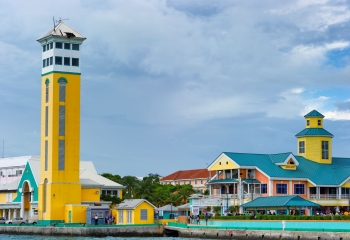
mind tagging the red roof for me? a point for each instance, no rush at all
(189, 174)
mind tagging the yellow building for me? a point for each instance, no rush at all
(62, 193)
(134, 211)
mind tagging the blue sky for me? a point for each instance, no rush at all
(169, 85)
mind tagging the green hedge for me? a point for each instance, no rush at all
(280, 217)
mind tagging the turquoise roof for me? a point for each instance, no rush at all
(314, 132)
(314, 113)
(320, 174)
(231, 180)
(248, 180)
(280, 201)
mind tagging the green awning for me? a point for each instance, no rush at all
(280, 201)
(223, 181)
(250, 181)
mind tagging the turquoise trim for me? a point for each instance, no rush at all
(47, 81)
(73, 73)
(62, 79)
(29, 177)
(49, 222)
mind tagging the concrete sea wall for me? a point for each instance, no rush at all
(254, 234)
(125, 231)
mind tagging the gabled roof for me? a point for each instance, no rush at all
(132, 204)
(314, 113)
(320, 174)
(314, 132)
(280, 201)
(62, 30)
(188, 174)
(168, 208)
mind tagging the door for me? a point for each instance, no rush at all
(69, 216)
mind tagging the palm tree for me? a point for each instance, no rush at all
(130, 183)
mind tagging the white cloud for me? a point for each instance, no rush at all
(337, 115)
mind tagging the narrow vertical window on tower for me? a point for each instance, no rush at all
(324, 149)
(44, 195)
(319, 122)
(46, 153)
(47, 83)
(62, 83)
(307, 122)
(46, 121)
(61, 154)
(301, 147)
(62, 121)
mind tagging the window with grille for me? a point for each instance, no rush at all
(281, 188)
(302, 147)
(143, 215)
(61, 154)
(299, 189)
(263, 188)
(324, 149)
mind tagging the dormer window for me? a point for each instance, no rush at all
(319, 122)
(307, 122)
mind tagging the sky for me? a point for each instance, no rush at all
(170, 85)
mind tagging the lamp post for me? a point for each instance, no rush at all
(171, 210)
(251, 188)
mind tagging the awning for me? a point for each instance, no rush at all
(250, 181)
(280, 201)
(223, 181)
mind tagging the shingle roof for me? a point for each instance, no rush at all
(132, 203)
(314, 113)
(280, 201)
(188, 174)
(168, 208)
(320, 174)
(314, 132)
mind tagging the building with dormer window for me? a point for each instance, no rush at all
(313, 173)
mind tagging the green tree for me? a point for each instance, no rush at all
(115, 178)
(131, 183)
(185, 192)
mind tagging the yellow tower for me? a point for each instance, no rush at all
(60, 122)
(314, 142)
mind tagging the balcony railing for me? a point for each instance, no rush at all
(329, 196)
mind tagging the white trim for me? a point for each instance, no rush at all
(290, 156)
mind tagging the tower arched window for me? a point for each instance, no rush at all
(47, 85)
(62, 95)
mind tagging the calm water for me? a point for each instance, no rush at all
(22, 237)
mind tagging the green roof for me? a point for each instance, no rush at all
(320, 174)
(222, 181)
(314, 132)
(314, 113)
(280, 201)
(248, 180)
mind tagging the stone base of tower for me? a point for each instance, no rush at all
(53, 201)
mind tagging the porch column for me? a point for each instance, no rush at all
(4, 213)
(308, 193)
(231, 173)
(9, 214)
(317, 192)
(339, 192)
(15, 213)
(22, 205)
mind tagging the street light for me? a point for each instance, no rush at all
(171, 210)
(251, 181)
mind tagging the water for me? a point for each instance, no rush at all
(24, 237)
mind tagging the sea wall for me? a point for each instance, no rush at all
(123, 231)
(254, 234)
